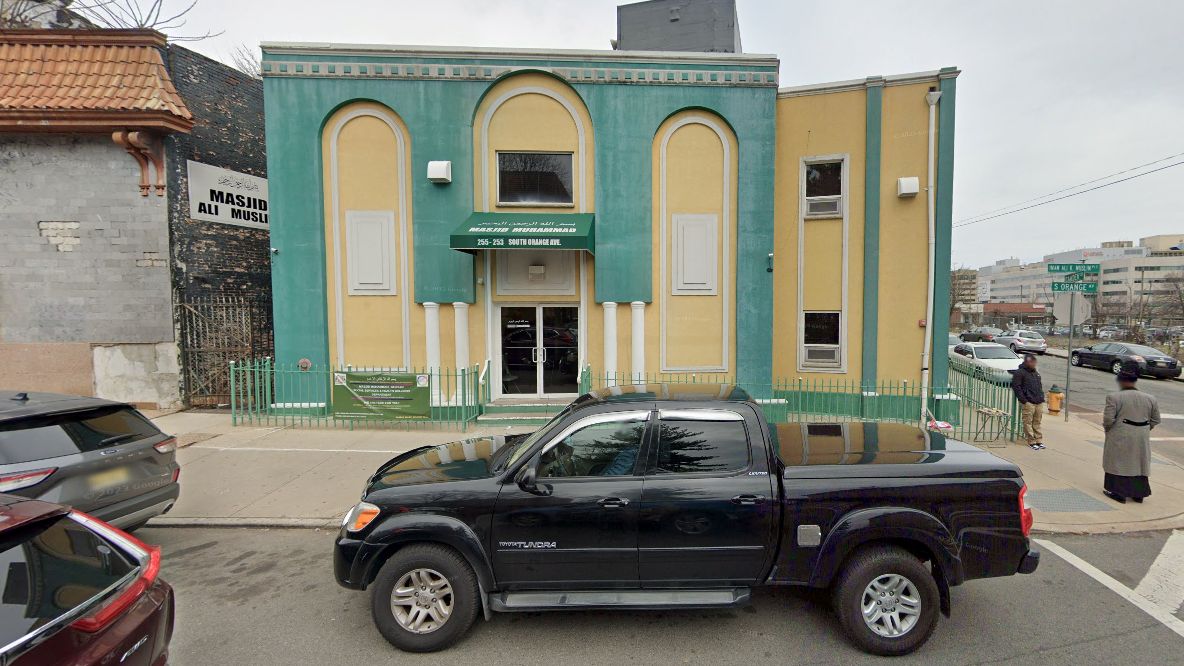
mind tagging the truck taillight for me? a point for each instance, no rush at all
(1026, 518)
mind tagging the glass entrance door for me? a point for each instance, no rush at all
(540, 350)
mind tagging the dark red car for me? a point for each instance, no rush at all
(76, 591)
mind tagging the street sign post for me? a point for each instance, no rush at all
(1074, 268)
(1078, 287)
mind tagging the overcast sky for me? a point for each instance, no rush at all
(1052, 94)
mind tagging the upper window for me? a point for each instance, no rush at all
(600, 449)
(824, 189)
(821, 341)
(687, 446)
(539, 179)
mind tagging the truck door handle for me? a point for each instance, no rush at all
(613, 502)
(748, 499)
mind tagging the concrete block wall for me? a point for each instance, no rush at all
(84, 256)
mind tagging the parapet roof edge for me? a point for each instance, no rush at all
(283, 48)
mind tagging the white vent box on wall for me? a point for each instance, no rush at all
(440, 171)
(908, 186)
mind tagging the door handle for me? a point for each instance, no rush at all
(534, 355)
(613, 502)
(543, 355)
(748, 500)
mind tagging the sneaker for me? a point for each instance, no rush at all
(1039, 446)
(1034, 446)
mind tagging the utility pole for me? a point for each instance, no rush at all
(1069, 361)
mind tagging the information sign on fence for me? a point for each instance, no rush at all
(381, 395)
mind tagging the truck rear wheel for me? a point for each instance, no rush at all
(887, 601)
(424, 598)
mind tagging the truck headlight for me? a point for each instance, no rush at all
(358, 517)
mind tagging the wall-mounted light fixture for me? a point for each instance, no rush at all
(909, 186)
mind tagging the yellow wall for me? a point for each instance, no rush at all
(368, 159)
(695, 173)
(811, 126)
(904, 234)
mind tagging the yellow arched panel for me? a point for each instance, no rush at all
(366, 177)
(694, 180)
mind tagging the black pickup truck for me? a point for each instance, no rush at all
(667, 497)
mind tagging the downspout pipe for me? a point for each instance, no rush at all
(931, 98)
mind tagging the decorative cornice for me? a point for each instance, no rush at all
(483, 72)
(72, 120)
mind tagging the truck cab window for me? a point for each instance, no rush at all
(601, 449)
(688, 446)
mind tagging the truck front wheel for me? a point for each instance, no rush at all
(887, 601)
(424, 598)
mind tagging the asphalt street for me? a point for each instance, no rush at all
(259, 597)
(1088, 392)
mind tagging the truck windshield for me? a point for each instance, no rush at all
(515, 450)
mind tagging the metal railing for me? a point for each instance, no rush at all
(264, 392)
(976, 409)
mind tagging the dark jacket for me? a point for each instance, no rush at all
(1027, 386)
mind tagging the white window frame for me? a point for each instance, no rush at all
(497, 167)
(678, 284)
(386, 218)
(840, 199)
(839, 347)
(844, 215)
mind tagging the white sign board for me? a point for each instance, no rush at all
(1060, 309)
(230, 197)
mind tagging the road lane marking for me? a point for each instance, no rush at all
(1162, 615)
(1171, 416)
(1167, 439)
(1164, 581)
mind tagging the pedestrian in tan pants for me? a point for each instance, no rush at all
(1025, 381)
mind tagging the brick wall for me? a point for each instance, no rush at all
(210, 258)
(83, 252)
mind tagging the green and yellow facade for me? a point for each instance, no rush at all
(692, 247)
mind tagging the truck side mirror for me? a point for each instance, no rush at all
(527, 479)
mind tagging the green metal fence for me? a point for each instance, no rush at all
(977, 409)
(264, 392)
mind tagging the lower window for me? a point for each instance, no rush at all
(821, 341)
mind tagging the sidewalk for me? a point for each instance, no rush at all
(248, 476)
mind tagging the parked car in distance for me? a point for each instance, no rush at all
(1113, 356)
(986, 360)
(78, 591)
(666, 497)
(954, 341)
(98, 456)
(981, 334)
(1022, 340)
(1060, 330)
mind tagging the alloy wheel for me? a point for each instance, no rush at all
(1075, 359)
(891, 605)
(422, 601)
(1116, 367)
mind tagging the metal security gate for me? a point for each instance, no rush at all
(214, 332)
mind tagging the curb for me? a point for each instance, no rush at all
(248, 523)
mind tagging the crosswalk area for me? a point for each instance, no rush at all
(1146, 569)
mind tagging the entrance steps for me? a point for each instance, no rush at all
(517, 411)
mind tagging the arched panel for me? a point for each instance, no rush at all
(367, 231)
(695, 171)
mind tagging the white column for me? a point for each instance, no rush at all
(610, 341)
(638, 340)
(431, 320)
(460, 324)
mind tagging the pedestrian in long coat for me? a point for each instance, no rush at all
(1129, 417)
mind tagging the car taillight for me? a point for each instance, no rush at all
(1026, 518)
(988, 337)
(167, 446)
(149, 559)
(18, 480)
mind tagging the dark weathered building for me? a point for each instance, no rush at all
(678, 25)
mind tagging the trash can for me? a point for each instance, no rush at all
(1056, 397)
